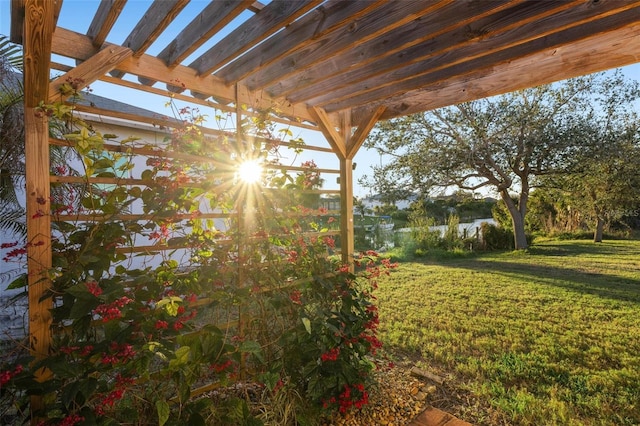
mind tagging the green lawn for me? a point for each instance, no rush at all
(547, 337)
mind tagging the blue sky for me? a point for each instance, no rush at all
(77, 14)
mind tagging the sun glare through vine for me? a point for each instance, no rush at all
(250, 171)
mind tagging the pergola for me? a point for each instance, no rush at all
(331, 65)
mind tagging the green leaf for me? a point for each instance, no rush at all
(82, 307)
(307, 324)
(195, 419)
(182, 357)
(162, 407)
(19, 282)
(170, 304)
(253, 348)
(69, 393)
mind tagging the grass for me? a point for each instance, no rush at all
(546, 337)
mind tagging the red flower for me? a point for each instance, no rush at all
(295, 297)
(71, 420)
(94, 288)
(329, 242)
(332, 355)
(161, 325)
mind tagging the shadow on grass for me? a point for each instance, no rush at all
(605, 285)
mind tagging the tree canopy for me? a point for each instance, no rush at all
(505, 143)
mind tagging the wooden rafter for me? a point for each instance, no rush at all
(158, 17)
(516, 39)
(505, 58)
(379, 21)
(208, 22)
(425, 27)
(301, 33)
(615, 49)
(104, 19)
(271, 18)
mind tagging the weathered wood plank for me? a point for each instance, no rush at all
(384, 19)
(104, 19)
(158, 17)
(299, 34)
(426, 27)
(478, 38)
(419, 74)
(274, 16)
(592, 54)
(78, 46)
(90, 70)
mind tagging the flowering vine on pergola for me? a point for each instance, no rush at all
(334, 67)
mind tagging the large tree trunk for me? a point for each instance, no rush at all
(597, 235)
(517, 220)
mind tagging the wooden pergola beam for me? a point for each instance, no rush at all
(299, 34)
(67, 42)
(327, 71)
(90, 70)
(472, 58)
(381, 20)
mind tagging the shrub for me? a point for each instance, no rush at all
(496, 238)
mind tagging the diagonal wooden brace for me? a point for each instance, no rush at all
(90, 70)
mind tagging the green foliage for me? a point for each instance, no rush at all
(544, 336)
(133, 339)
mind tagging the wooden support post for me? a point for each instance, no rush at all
(346, 211)
(346, 145)
(242, 230)
(38, 239)
(38, 229)
(39, 23)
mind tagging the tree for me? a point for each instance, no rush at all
(604, 184)
(503, 143)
